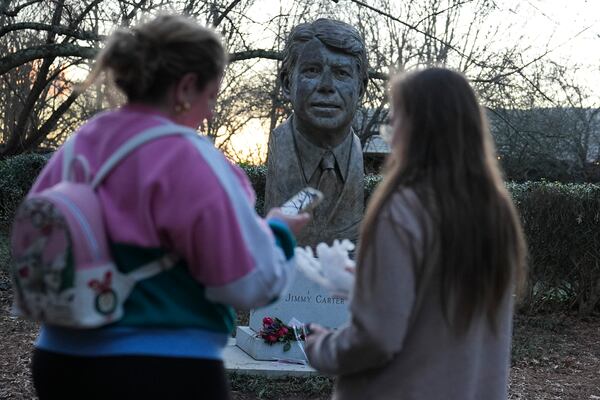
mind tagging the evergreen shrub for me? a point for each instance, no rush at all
(562, 227)
(561, 222)
(16, 177)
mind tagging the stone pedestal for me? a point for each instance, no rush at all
(238, 362)
(306, 302)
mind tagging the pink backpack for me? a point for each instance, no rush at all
(62, 269)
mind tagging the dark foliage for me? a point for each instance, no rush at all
(561, 221)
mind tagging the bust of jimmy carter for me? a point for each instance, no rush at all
(324, 76)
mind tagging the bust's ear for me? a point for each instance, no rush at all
(363, 89)
(285, 84)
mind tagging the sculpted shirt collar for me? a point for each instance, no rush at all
(311, 155)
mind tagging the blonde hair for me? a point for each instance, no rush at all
(445, 153)
(144, 61)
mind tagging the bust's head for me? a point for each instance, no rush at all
(324, 75)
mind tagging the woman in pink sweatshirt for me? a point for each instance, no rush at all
(166, 197)
(440, 256)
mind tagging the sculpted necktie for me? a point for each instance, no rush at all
(328, 183)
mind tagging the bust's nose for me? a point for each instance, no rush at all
(326, 81)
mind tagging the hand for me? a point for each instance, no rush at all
(294, 222)
(316, 328)
(313, 330)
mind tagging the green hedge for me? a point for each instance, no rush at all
(257, 175)
(562, 225)
(16, 177)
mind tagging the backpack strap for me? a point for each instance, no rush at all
(153, 268)
(169, 260)
(135, 142)
(69, 161)
(68, 153)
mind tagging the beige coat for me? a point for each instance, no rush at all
(397, 344)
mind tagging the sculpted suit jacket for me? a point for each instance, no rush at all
(287, 174)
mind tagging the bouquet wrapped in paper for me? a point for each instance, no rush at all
(331, 267)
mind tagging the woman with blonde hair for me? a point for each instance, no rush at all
(440, 257)
(175, 195)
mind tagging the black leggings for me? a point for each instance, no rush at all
(60, 376)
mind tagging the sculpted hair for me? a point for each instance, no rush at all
(145, 60)
(444, 151)
(336, 35)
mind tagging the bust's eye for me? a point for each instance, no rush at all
(310, 70)
(343, 73)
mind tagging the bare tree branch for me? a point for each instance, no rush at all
(435, 14)
(40, 83)
(416, 29)
(83, 14)
(227, 11)
(43, 51)
(15, 11)
(56, 29)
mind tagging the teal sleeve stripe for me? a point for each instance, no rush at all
(283, 236)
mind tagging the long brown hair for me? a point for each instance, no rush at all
(442, 149)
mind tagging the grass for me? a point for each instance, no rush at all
(291, 387)
(4, 249)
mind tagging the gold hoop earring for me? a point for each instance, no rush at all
(182, 107)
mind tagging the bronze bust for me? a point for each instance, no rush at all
(324, 76)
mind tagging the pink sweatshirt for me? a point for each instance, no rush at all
(165, 195)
